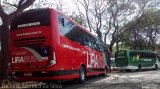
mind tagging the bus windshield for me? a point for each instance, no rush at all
(121, 55)
(40, 17)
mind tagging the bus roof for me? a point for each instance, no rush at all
(150, 51)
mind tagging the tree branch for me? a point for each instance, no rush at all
(2, 13)
(14, 5)
(22, 5)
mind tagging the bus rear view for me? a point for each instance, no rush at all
(121, 59)
(30, 40)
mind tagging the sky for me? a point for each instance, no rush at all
(68, 5)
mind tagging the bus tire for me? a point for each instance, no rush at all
(139, 67)
(82, 73)
(156, 66)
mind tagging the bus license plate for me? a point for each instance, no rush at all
(27, 74)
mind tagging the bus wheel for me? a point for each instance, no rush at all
(82, 74)
(139, 67)
(156, 66)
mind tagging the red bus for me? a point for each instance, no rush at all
(47, 45)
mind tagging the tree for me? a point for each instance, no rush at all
(93, 11)
(78, 18)
(41, 4)
(6, 20)
(121, 12)
(107, 18)
(57, 4)
(144, 32)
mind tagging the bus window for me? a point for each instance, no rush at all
(31, 18)
(142, 54)
(76, 34)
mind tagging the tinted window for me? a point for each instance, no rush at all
(31, 18)
(76, 34)
(143, 54)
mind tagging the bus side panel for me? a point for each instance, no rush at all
(71, 55)
(67, 54)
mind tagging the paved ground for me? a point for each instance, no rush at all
(148, 79)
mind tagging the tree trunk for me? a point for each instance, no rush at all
(6, 19)
(111, 46)
(99, 34)
(105, 38)
(0, 55)
(117, 46)
(4, 47)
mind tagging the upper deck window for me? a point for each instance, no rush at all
(77, 34)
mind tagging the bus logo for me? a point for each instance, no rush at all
(92, 60)
(23, 59)
(17, 59)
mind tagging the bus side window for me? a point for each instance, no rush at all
(99, 48)
(86, 40)
(62, 21)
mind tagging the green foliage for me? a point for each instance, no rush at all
(77, 19)
(143, 33)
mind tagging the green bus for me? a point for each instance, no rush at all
(136, 59)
